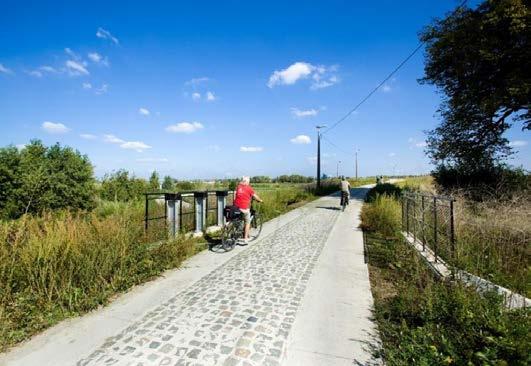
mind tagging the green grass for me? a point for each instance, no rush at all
(423, 321)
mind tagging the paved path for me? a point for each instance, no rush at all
(281, 300)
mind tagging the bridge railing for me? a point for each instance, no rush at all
(181, 212)
(429, 219)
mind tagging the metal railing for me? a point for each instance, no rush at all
(185, 211)
(430, 220)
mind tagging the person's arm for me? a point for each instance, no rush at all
(256, 197)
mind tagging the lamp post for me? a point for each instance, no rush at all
(337, 168)
(319, 155)
(356, 161)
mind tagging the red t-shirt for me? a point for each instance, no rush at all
(244, 195)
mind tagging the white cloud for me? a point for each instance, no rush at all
(386, 88)
(35, 73)
(76, 68)
(414, 143)
(47, 68)
(87, 136)
(105, 34)
(185, 127)
(251, 149)
(87, 86)
(112, 139)
(5, 70)
(210, 96)
(138, 146)
(297, 113)
(152, 160)
(290, 75)
(517, 143)
(102, 90)
(322, 76)
(391, 155)
(144, 111)
(197, 81)
(71, 53)
(301, 139)
(54, 128)
(95, 57)
(196, 96)
(421, 144)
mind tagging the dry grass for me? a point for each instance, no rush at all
(494, 240)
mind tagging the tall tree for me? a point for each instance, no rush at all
(168, 183)
(154, 181)
(481, 60)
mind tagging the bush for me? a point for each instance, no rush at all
(497, 181)
(119, 186)
(383, 189)
(37, 178)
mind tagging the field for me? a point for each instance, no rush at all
(63, 264)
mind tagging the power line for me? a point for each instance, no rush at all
(382, 83)
(334, 145)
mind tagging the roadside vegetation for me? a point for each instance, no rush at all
(423, 321)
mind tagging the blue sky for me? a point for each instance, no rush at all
(209, 89)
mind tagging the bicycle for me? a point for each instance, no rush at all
(344, 200)
(232, 231)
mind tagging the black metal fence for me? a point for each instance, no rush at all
(430, 220)
(172, 213)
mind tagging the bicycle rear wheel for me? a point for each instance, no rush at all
(229, 236)
(256, 226)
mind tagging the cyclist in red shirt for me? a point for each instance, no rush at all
(242, 199)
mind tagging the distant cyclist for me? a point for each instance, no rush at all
(243, 196)
(345, 190)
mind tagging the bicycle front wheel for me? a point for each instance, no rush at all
(256, 226)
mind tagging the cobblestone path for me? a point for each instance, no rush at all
(240, 314)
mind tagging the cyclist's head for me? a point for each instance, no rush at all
(246, 180)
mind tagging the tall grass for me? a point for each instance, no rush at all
(494, 240)
(426, 322)
(63, 264)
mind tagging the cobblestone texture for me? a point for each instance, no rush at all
(239, 314)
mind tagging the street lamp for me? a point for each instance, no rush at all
(337, 170)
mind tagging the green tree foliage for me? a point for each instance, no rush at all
(154, 182)
(168, 184)
(293, 178)
(261, 179)
(119, 186)
(37, 178)
(480, 59)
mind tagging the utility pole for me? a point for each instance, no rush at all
(356, 154)
(337, 168)
(319, 155)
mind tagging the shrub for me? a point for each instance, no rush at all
(383, 189)
(119, 186)
(497, 181)
(37, 178)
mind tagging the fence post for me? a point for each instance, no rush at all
(452, 232)
(200, 212)
(146, 214)
(221, 196)
(423, 224)
(173, 205)
(435, 227)
(407, 215)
